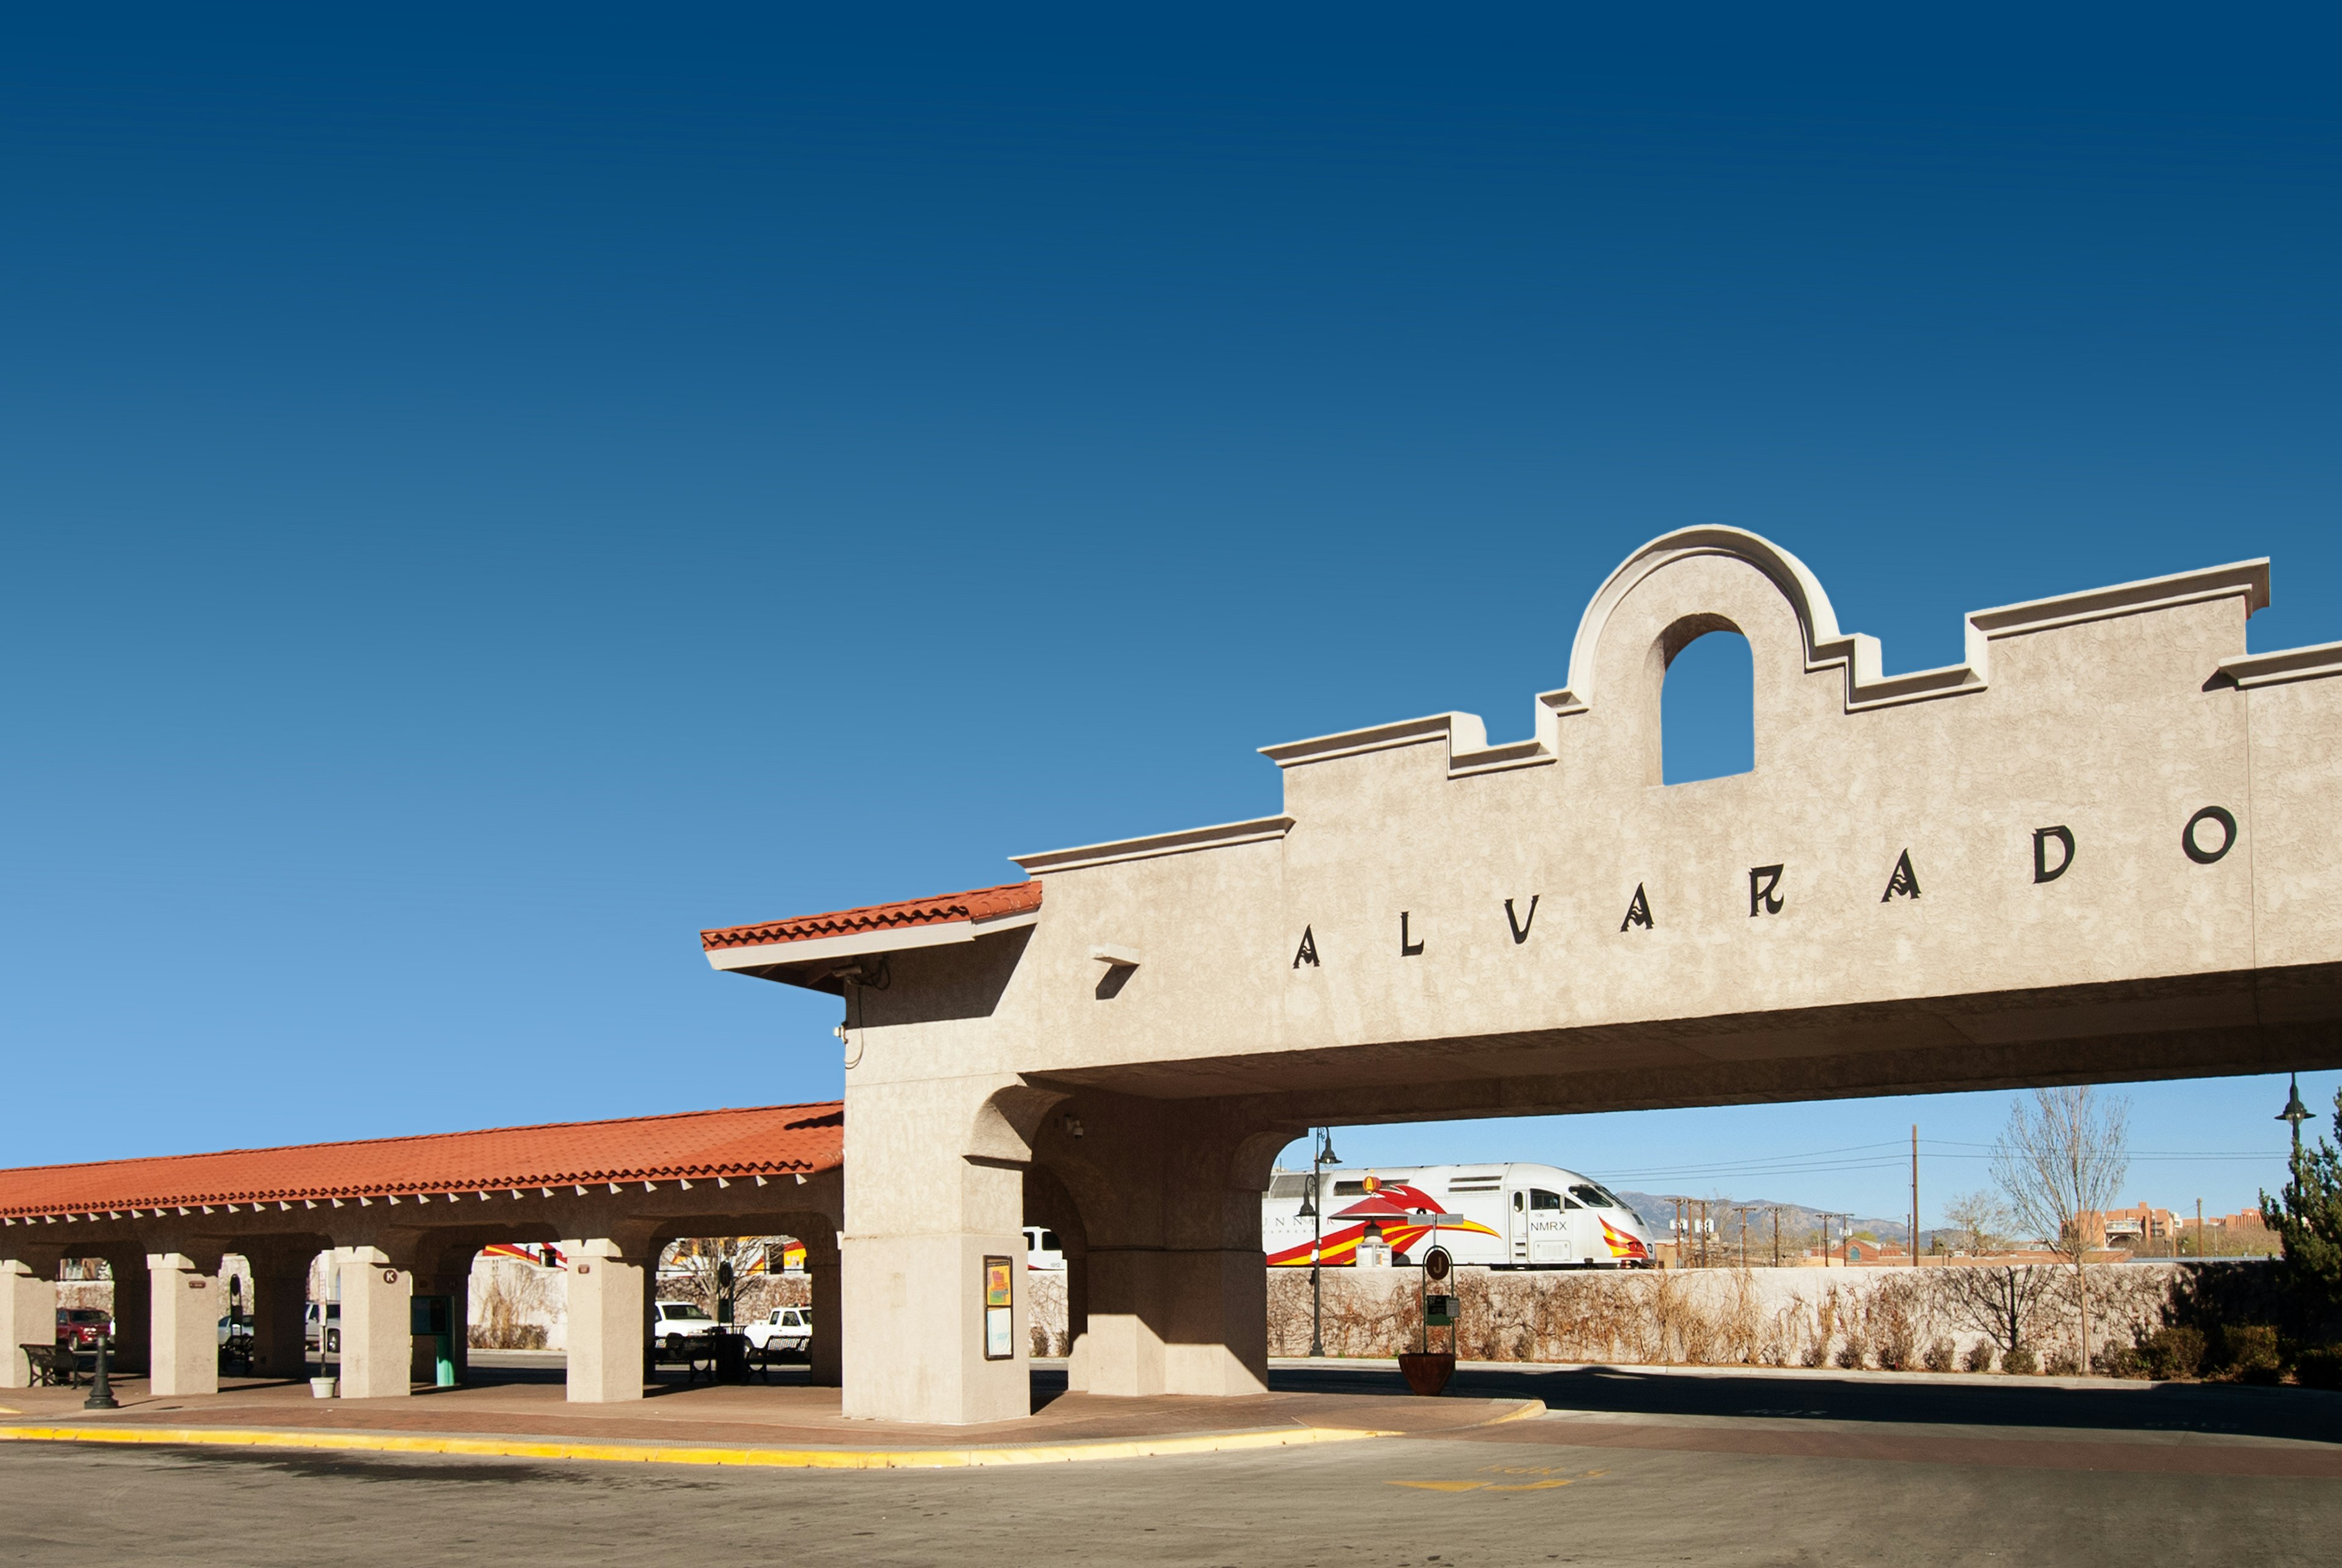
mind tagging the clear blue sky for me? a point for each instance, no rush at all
(487, 493)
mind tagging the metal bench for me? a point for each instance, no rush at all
(53, 1365)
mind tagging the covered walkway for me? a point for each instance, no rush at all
(404, 1217)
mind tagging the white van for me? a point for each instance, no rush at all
(1510, 1216)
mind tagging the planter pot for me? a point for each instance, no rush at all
(1427, 1372)
(323, 1387)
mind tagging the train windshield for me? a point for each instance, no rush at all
(1597, 1196)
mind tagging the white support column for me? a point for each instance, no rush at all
(185, 1304)
(608, 1293)
(825, 1354)
(932, 1190)
(377, 1332)
(28, 1315)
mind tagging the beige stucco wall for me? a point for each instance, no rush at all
(2116, 715)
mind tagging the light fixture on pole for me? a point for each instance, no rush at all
(2295, 1113)
(1321, 1155)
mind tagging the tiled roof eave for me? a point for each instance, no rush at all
(977, 904)
(428, 1189)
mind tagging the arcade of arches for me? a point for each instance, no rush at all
(2107, 845)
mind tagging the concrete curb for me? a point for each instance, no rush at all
(674, 1454)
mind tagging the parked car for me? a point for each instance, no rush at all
(81, 1327)
(331, 1317)
(785, 1331)
(680, 1323)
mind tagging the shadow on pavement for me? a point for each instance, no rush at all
(2286, 1413)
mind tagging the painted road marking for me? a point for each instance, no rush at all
(1550, 1480)
(654, 1453)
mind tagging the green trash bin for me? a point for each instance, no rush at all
(435, 1316)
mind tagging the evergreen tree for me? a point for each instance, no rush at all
(2308, 1218)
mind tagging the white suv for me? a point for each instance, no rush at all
(785, 1330)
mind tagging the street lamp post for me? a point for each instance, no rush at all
(1321, 1155)
(2295, 1113)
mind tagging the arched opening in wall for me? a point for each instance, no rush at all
(1707, 710)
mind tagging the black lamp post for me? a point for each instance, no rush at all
(1320, 1157)
(2295, 1113)
(101, 1388)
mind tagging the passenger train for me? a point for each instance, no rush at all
(1509, 1216)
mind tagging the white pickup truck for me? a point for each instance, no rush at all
(783, 1331)
(678, 1321)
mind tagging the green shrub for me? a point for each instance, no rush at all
(2063, 1363)
(1939, 1355)
(2248, 1352)
(2021, 1360)
(2173, 1351)
(1980, 1355)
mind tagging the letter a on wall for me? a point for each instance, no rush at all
(1638, 910)
(1308, 954)
(1904, 883)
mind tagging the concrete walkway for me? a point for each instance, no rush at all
(787, 1425)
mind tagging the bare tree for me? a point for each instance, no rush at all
(2059, 1159)
(702, 1261)
(1997, 1303)
(1985, 1218)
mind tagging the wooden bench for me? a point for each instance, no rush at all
(53, 1365)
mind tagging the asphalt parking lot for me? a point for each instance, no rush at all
(1631, 1468)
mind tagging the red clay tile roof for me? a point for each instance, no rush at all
(766, 1141)
(982, 904)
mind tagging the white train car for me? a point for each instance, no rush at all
(1510, 1216)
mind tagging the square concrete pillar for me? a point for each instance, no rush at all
(826, 1353)
(1174, 1322)
(609, 1295)
(28, 1315)
(1217, 1340)
(186, 1302)
(280, 1303)
(377, 1331)
(912, 1317)
(1122, 1352)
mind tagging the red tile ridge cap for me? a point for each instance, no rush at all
(979, 904)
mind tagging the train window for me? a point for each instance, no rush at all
(1517, 1202)
(1595, 1196)
(1049, 1242)
(1541, 1199)
(1356, 1188)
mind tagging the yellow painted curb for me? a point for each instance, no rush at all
(656, 1454)
(1529, 1407)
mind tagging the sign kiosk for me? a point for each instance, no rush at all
(1428, 1370)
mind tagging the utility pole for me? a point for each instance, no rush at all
(1825, 1220)
(1915, 1195)
(2199, 1227)
(1703, 1233)
(1776, 1238)
(1743, 1238)
(1682, 1235)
